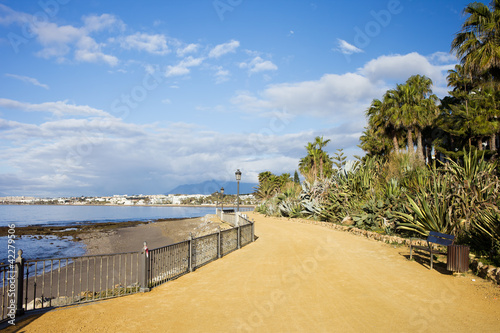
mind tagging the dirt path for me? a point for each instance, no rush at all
(295, 278)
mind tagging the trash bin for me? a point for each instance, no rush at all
(458, 258)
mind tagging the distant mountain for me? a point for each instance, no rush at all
(211, 186)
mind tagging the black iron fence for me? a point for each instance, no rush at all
(36, 284)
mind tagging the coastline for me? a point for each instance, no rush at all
(157, 234)
(117, 205)
(109, 237)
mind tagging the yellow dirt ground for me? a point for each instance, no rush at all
(295, 278)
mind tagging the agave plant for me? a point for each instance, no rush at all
(432, 207)
(433, 216)
(288, 202)
(476, 187)
(489, 224)
(312, 197)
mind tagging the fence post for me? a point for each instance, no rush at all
(19, 283)
(218, 244)
(190, 252)
(239, 237)
(253, 230)
(144, 269)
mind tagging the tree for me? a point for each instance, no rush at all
(317, 163)
(424, 107)
(471, 115)
(384, 127)
(478, 43)
(397, 111)
(270, 184)
(296, 178)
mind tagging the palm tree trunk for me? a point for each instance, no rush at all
(321, 168)
(395, 143)
(420, 151)
(493, 140)
(480, 144)
(410, 142)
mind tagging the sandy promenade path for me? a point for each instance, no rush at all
(295, 278)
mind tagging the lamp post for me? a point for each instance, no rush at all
(222, 199)
(238, 178)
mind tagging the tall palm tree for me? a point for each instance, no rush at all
(400, 112)
(316, 160)
(322, 156)
(307, 164)
(478, 43)
(384, 120)
(460, 80)
(424, 107)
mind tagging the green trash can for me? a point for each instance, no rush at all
(458, 258)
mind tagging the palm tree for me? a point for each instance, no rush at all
(379, 118)
(317, 160)
(400, 110)
(307, 165)
(425, 110)
(413, 107)
(461, 82)
(323, 157)
(478, 43)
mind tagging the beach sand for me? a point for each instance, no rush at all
(156, 234)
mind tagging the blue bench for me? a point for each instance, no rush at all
(433, 238)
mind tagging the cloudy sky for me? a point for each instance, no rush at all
(127, 97)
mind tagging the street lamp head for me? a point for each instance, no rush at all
(222, 190)
(238, 175)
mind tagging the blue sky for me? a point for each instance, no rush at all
(129, 97)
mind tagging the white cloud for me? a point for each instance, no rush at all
(443, 57)
(155, 44)
(398, 68)
(97, 23)
(28, 79)
(222, 75)
(182, 68)
(258, 64)
(59, 108)
(343, 98)
(51, 33)
(81, 154)
(58, 41)
(332, 97)
(11, 16)
(225, 48)
(346, 48)
(191, 48)
(89, 51)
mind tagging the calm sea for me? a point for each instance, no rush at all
(52, 247)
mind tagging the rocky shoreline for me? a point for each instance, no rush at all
(128, 236)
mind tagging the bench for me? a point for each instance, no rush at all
(433, 238)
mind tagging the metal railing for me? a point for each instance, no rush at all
(171, 261)
(45, 283)
(232, 217)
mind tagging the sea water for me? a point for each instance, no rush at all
(36, 247)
